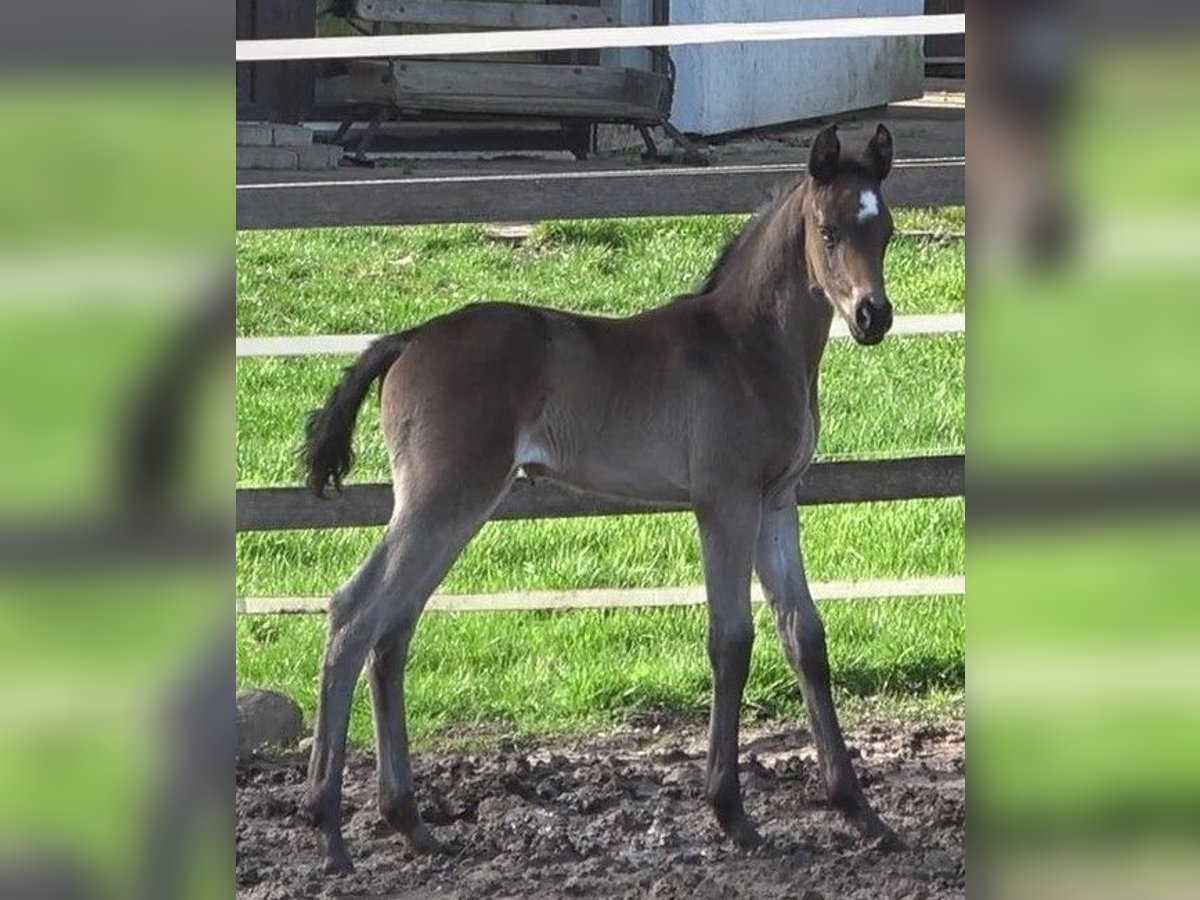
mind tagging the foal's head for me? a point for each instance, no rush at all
(847, 229)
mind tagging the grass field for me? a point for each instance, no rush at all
(538, 672)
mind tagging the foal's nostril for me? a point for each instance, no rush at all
(873, 317)
(862, 317)
(883, 316)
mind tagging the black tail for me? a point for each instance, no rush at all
(327, 453)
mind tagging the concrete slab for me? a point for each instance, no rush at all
(253, 134)
(266, 158)
(290, 135)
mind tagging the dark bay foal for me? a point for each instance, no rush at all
(710, 399)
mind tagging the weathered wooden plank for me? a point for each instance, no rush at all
(528, 89)
(291, 200)
(627, 598)
(269, 509)
(565, 107)
(484, 15)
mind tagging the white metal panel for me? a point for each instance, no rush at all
(727, 87)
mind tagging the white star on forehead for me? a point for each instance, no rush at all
(868, 205)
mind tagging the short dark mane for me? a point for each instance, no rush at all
(746, 232)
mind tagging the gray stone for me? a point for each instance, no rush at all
(508, 232)
(266, 719)
(319, 156)
(266, 158)
(290, 136)
(253, 134)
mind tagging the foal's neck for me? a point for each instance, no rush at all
(765, 272)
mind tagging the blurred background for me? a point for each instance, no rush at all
(116, 445)
(1083, 470)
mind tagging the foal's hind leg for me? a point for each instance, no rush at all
(353, 624)
(727, 534)
(397, 803)
(378, 609)
(426, 546)
(781, 570)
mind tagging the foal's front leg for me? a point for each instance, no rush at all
(727, 536)
(781, 570)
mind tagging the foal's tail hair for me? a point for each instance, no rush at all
(327, 453)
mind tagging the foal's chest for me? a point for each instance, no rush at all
(778, 398)
(793, 448)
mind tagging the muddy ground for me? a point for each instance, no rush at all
(622, 816)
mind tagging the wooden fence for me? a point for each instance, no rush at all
(357, 197)
(283, 508)
(349, 197)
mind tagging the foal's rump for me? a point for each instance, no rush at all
(464, 385)
(496, 386)
(454, 387)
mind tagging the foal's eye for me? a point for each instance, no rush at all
(828, 234)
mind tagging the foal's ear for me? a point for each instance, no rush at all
(879, 153)
(826, 152)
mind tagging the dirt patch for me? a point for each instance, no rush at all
(623, 815)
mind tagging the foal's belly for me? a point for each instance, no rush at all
(656, 467)
(617, 465)
(616, 484)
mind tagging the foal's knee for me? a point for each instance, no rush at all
(811, 649)
(731, 640)
(800, 628)
(811, 635)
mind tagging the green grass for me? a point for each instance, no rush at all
(555, 672)
(843, 541)
(353, 280)
(562, 672)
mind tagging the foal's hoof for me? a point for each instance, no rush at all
(858, 813)
(422, 841)
(744, 835)
(873, 828)
(335, 859)
(337, 862)
(887, 840)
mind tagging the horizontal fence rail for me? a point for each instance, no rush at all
(523, 41)
(292, 508)
(627, 598)
(477, 14)
(275, 200)
(330, 344)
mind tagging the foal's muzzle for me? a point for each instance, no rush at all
(872, 319)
